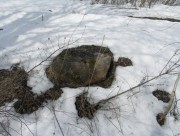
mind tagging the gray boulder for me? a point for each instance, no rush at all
(82, 66)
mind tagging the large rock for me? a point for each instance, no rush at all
(82, 66)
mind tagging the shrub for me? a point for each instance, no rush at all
(137, 3)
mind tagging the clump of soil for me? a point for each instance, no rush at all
(53, 93)
(13, 85)
(160, 120)
(84, 108)
(33, 102)
(162, 95)
(124, 62)
(28, 104)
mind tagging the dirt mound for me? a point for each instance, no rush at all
(53, 93)
(124, 62)
(84, 108)
(30, 103)
(162, 95)
(13, 85)
(160, 120)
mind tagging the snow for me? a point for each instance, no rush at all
(32, 30)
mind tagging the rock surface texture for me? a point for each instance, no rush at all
(82, 66)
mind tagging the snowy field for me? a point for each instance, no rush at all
(30, 30)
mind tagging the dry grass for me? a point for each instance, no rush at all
(137, 3)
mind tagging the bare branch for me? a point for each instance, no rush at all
(162, 116)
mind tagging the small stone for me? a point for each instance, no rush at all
(124, 62)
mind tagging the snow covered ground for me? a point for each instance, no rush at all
(32, 30)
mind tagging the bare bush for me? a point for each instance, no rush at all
(137, 3)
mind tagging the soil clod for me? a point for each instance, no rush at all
(124, 62)
(159, 119)
(162, 95)
(84, 108)
(53, 93)
(33, 102)
(13, 85)
(28, 105)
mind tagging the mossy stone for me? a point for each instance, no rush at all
(82, 66)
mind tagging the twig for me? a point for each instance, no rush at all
(69, 43)
(96, 63)
(166, 72)
(112, 97)
(112, 123)
(162, 116)
(51, 56)
(156, 18)
(58, 121)
(2, 125)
